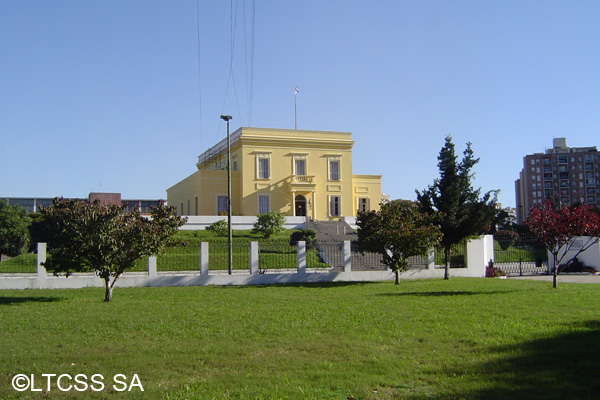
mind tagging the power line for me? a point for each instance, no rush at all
(199, 70)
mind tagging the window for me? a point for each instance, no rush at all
(263, 204)
(334, 206)
(363, 204)
(334, 170)
(221, 204)
(196, 206)
(299, 166)
(263, 167)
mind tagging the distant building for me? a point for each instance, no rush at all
(296, 172)
(568, 175)
(32, 204)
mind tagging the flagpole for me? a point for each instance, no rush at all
(296, 90)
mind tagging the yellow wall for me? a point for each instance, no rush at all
(204, 186)
(282, 148)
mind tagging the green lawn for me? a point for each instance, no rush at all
(433, 339)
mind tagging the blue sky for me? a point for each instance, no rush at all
(122, 96)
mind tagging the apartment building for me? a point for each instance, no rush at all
(568, 175)
(296, 172)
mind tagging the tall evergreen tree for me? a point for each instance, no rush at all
(464, 214)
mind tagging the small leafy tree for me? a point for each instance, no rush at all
(397, 231)
(464, 214)
(103, 238)
(268, 224)
(566, 232)
(218, 227)
(14, 231)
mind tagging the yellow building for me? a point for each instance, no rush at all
(296, 172)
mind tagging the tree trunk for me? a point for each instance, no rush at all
(397, 277)
(447, 253)
(555, 274)
(109, 289)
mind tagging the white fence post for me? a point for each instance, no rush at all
(301, 257)
(253, 258)
(40, 269)
(203, 258)
(347, 256)
(152, 267)
(431, 259)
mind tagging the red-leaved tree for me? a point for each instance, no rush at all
(566, 232)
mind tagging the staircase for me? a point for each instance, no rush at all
(328, 231)
(331, 232)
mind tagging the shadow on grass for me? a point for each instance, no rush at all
(315, 285)
(447, 293)
(34, 299)
(563, 366)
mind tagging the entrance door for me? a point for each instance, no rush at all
(300, 206)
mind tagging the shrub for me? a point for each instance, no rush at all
(493, 272)
(269, 223)
(506, 238)
(219, 227)
(307, 235)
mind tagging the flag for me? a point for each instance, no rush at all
(296, 89)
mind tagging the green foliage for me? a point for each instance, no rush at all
(307, 235)
(397, 231)
(464, 214)
(506, 238)
(269, 223)
(103, 238)
(14, 233)
(218, 227)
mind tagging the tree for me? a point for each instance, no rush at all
(505, 238)
(269, 223)
(14, 230)
(104, 238)
(464, 215)
(397, 231)
(308, 236)
(564, 231)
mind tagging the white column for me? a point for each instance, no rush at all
(253, 258)
(41, 258)
(203, 258)
(301, 257)
(152, 267)
(347, 256)
(431, 259)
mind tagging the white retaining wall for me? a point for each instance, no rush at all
(237, 222)
(589, 258)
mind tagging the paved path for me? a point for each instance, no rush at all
(563, 278)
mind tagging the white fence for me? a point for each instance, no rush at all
(479, 252)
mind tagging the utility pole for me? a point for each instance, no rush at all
(226, 118)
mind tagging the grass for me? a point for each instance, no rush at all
(434, 339)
